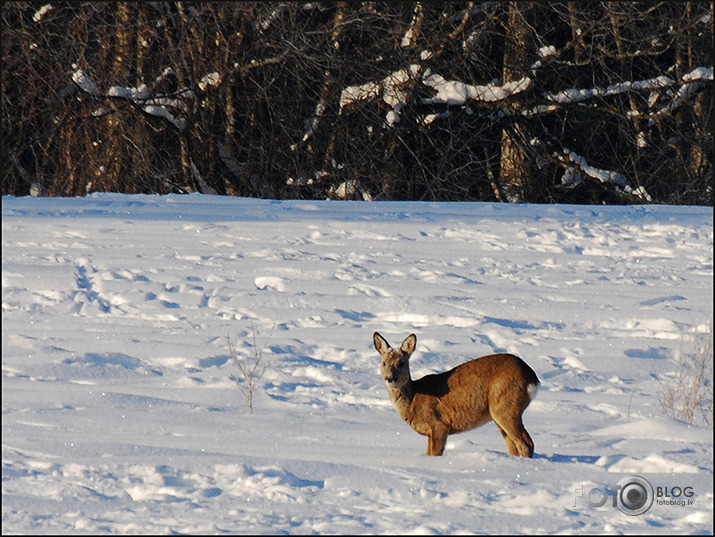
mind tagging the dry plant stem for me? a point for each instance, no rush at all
(691, 389)
(251, 369)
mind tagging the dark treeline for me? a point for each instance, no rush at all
(568, 102)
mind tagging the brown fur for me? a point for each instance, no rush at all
(497, 387)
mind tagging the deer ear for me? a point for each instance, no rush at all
(408, 346)
(381, 343)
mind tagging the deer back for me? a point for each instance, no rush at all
(462, 397)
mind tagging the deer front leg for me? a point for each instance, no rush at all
(436, 441)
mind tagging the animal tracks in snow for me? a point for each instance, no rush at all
(120, 414)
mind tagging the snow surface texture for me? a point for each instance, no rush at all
(120, 415)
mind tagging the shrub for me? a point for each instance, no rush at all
(688, 392)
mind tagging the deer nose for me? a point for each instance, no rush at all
(392, 376)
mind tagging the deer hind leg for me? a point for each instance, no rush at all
(511, 446)
(436, 441)
(517, 438)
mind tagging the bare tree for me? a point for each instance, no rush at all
(542, 102)
(515, 166)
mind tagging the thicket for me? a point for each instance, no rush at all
(569, 102)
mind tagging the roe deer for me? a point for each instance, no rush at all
(497, 387)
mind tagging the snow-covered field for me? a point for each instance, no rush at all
(120, 414)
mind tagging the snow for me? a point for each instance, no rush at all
(604, 176)
(120, 414)
(699, 73)
(133, 94)
(40, 13)
(450, 92)
(163, 112)
(575, 95)
(546, 51)
(352, 94)
(155, 106)
(453, 92)
(211, 79)
(572, 176)
(85, 82)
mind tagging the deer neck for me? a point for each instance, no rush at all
(402, 397)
